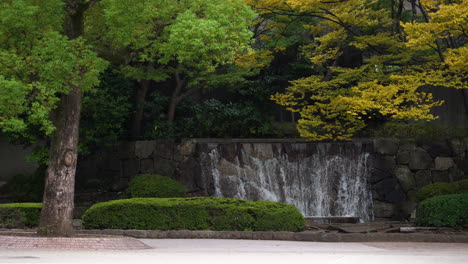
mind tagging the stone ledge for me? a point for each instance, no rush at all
(291, 236)
(312, 236)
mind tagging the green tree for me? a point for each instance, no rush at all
(192, 43)
(45, 66)
(387, 77)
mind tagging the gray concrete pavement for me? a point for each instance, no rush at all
(206, 251)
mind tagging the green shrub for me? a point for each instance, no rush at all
(444, 210)
(154, 186)
(441, 188)
(198, 213)
(20, 215)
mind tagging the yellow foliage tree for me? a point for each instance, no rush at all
(401, 50)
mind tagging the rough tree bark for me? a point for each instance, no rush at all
(58, 200)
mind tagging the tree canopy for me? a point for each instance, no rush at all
(397, 54)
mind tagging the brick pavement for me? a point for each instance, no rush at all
(71, 243)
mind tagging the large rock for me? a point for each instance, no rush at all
(443, 163)
(384, 163)
(190, 175)
(458, 147)
(440, 176)
(407, 146)
(405, 177)
(144, 149)
(420, 160)
(378, 175)
(130, 168)
(455, 174)
(423, 178)
(388, 190)
(383, 209)
(404, 210)
(147, 166)
(438, 149)
(403, 157)
(462, 164)
(386, 146)
(164, 167)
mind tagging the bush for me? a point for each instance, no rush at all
(199, 213)
(154, 186)
(20, 215)
(444, 210)
(441, 188)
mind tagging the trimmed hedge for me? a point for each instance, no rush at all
(198, 213)
(154, 186)
(20, 215)
(442, 188)
(444, 210)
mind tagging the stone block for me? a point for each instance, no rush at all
(147, 166)
(420, 160)
(407, 146)
(438, 149)
(144, 149)
(283, 235)
(403, 158)
(384, 163)
(185, 149)
(458, 147)
(164, 167)
(462, 164)
(190, 175)
(405, 178)
(443, 163)
(130, 168)
(113, 232)
(386, 146)
(440, 176)
(136, 233)
(155, 234)
(378, 175)
(197, 234)
(388, 191)
(262, 235)
(455, 174)
(383, 209)
(423, 178)
(165, 149)
(404, 210)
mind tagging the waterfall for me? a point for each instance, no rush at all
(320, 179)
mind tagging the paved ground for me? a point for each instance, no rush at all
(208, 251)
(74, 243)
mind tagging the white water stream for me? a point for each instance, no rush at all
(329, 180)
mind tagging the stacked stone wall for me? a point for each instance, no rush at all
(401, 167)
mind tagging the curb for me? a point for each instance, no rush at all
(288, 236)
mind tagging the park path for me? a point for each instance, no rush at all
(208, 251)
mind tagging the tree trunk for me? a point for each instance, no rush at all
(172, 107)
(142, 90)
(58, 200)
(175, 98)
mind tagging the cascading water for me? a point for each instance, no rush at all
(320, 179)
